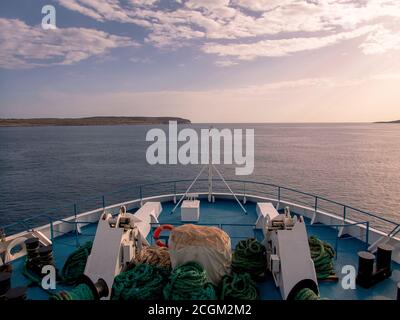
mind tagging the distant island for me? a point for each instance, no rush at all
(91, 121)
(396, 121)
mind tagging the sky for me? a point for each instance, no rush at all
(205, 60)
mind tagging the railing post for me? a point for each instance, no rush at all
(336, 243)
(104, 202)
(344, 213)
(244, 193)
(76, 224)
(174, 192)
(141, 195)
(279, 194)
(51, 231)
(316, 204)
(367, 236)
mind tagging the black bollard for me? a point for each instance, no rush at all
(365, 264)
(46, 256)
(5, 283)
(7, 268)
(99, 289)
(384, 257)
(365, 269)
(16, 294)
(33, 257)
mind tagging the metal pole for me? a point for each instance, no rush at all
(104, 202)
(336, 243)
(188, 189)
(175, 192)
(316, 204)
(279, 194)
(234, 195)
(51, 231)
(367, 236)
(344, 213)
(76, 224)
(210, 173)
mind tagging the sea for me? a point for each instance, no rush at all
(55, 172)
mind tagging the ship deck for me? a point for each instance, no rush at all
(227, 215)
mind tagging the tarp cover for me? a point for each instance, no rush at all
(208, 246)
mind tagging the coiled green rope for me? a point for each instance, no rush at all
(306, 294)
(322, 254)
(81, 292)
(238, 287)
(250, 257)
(144, 282)
(189, 282)
(75, 264)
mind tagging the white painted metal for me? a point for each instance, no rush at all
(107, 258)
(188, 189)
(18, 242)
(229, 188)
(190, 210)
(146, 215)
(266, 212)
(65, 225)
(288, 253)
(43, 239)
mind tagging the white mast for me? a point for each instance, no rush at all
(211, 167)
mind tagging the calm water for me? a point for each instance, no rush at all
(48, 169)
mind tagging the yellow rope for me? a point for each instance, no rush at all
(155, 256)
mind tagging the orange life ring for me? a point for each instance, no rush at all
(157, 233)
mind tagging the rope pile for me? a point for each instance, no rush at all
(154, 255)
(74, 267)
(250, 257)
(81, 292)
(144, 282)
(306, 294)
(189, 282)
(322, 254)
(238, 287)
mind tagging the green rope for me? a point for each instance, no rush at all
(250, 257)
(75, 264)
(238, 287)
(80, 292)
(144, 282)
(189, 282)
(322, 254)
(34, 279)
(306, 294)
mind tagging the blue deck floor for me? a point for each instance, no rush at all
(228, 215)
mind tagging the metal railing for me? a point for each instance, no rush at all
(242, 188)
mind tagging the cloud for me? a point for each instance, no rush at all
(281, 47)
(381, 41)
(24, 46)
(242, 29)
(289, 25)
(225, 63)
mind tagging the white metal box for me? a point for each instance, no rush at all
(190, 210)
